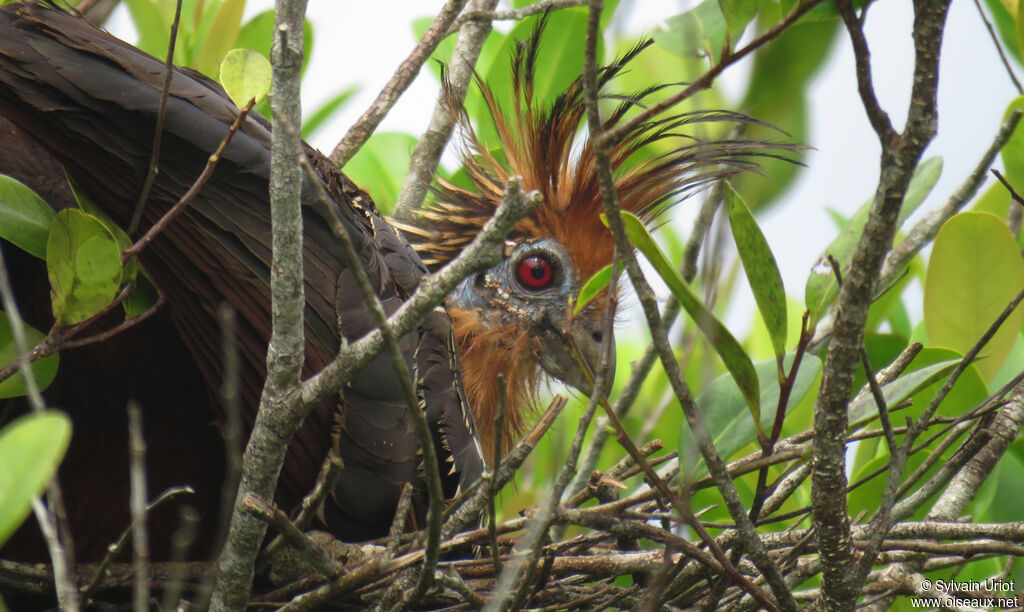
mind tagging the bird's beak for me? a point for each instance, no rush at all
(560, 360)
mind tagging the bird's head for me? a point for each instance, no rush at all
(515, 318)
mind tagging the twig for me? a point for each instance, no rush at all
(303, 545)
(67, 595)
(999, 48)
(49, 516)
(361, 131)
(537, 8)
(602, 140)
(264, 454)
(186, 199)
(1013, 192)
(466, 509)
(484, 251)
(492, 486)
(115, 549)
(432, 474)
(843, 575)
(181, 542)
(158, 132)
(926, 229)
(398, 523)
(140, 536)
(328, 476)
(60, 338)
(427, 153)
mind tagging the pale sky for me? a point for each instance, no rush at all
(371, 39)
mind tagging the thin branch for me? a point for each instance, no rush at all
(328, 476)
(878, 118)
(359, 133)
(432, 474)
(300, 542)
(926, 229)
(602, 141)
(140, 536)
(158, 131)
(843, 574)
(999, 48)
(537, 8)
(117, 547)
(51, 517)
(483, 252)
(427, 153)
(186, 199)
(1013, 192)
(264, 455)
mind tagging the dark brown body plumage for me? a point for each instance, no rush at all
(90, 101)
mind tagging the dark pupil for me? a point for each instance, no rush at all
(535, 273)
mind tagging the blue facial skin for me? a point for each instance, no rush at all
(500, 287)
(501, 294)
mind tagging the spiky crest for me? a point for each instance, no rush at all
(545, 147)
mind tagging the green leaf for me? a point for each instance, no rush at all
(84, 266)
(131, 267)
(43, 370)
(220, 38)
(154, 30)
(1006, 25)
(325, 111)
(245, 75)
(141, 298)
(974, 271)
(31, 448)
(699, 31)
(730, 351)
(594, 285)
(738, 14)
(727, 417)
(821, 288)
(1012, 152)
(865, 410)
(380, 166)
(760, 267)
(24, 217)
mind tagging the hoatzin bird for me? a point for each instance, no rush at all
(79, 98)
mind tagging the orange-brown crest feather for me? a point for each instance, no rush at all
(545, 147)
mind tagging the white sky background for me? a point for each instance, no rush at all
(370, 39)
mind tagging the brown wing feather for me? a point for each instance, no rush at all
(92, 100)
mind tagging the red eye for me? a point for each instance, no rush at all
(536, 273)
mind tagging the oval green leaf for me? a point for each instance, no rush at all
(84, 266)
(31, 448)
(727, 418)
(245, 76)
(701, 30)
(24, 217)
(760, 267)
(594, 285)
(974, 271)
(730, 351)
(43, 370)
(220, 38)
(821, 287)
